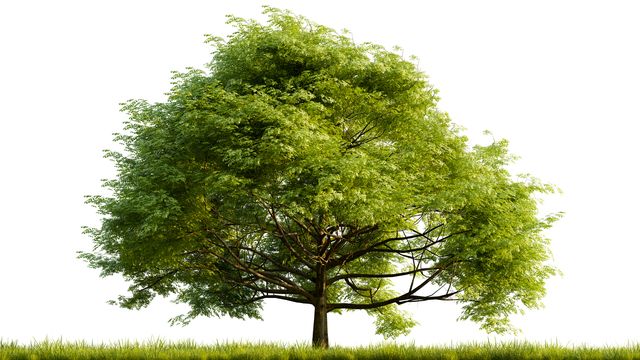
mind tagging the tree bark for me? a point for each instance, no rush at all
(320, 338)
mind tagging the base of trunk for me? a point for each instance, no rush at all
(320, 337)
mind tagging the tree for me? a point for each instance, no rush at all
(307, 168)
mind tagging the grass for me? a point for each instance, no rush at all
(159, 349)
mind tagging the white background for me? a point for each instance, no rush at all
(559, 79)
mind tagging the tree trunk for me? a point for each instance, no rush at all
(320, 338)
(320, 330)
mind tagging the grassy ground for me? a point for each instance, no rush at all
(186, 350)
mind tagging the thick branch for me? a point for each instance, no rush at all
(287, 298)
(351, 276)
(264, 290)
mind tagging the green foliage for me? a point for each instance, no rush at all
(299, 156)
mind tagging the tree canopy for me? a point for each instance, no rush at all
(304, 167)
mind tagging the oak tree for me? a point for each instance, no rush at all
(304, 167)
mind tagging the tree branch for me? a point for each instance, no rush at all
(275, 263)
(337, 245)
(406, 297)
(280, 297)
(266, 276)
(285, 235)
(351, 276)
(158, 280)
(357, 254)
